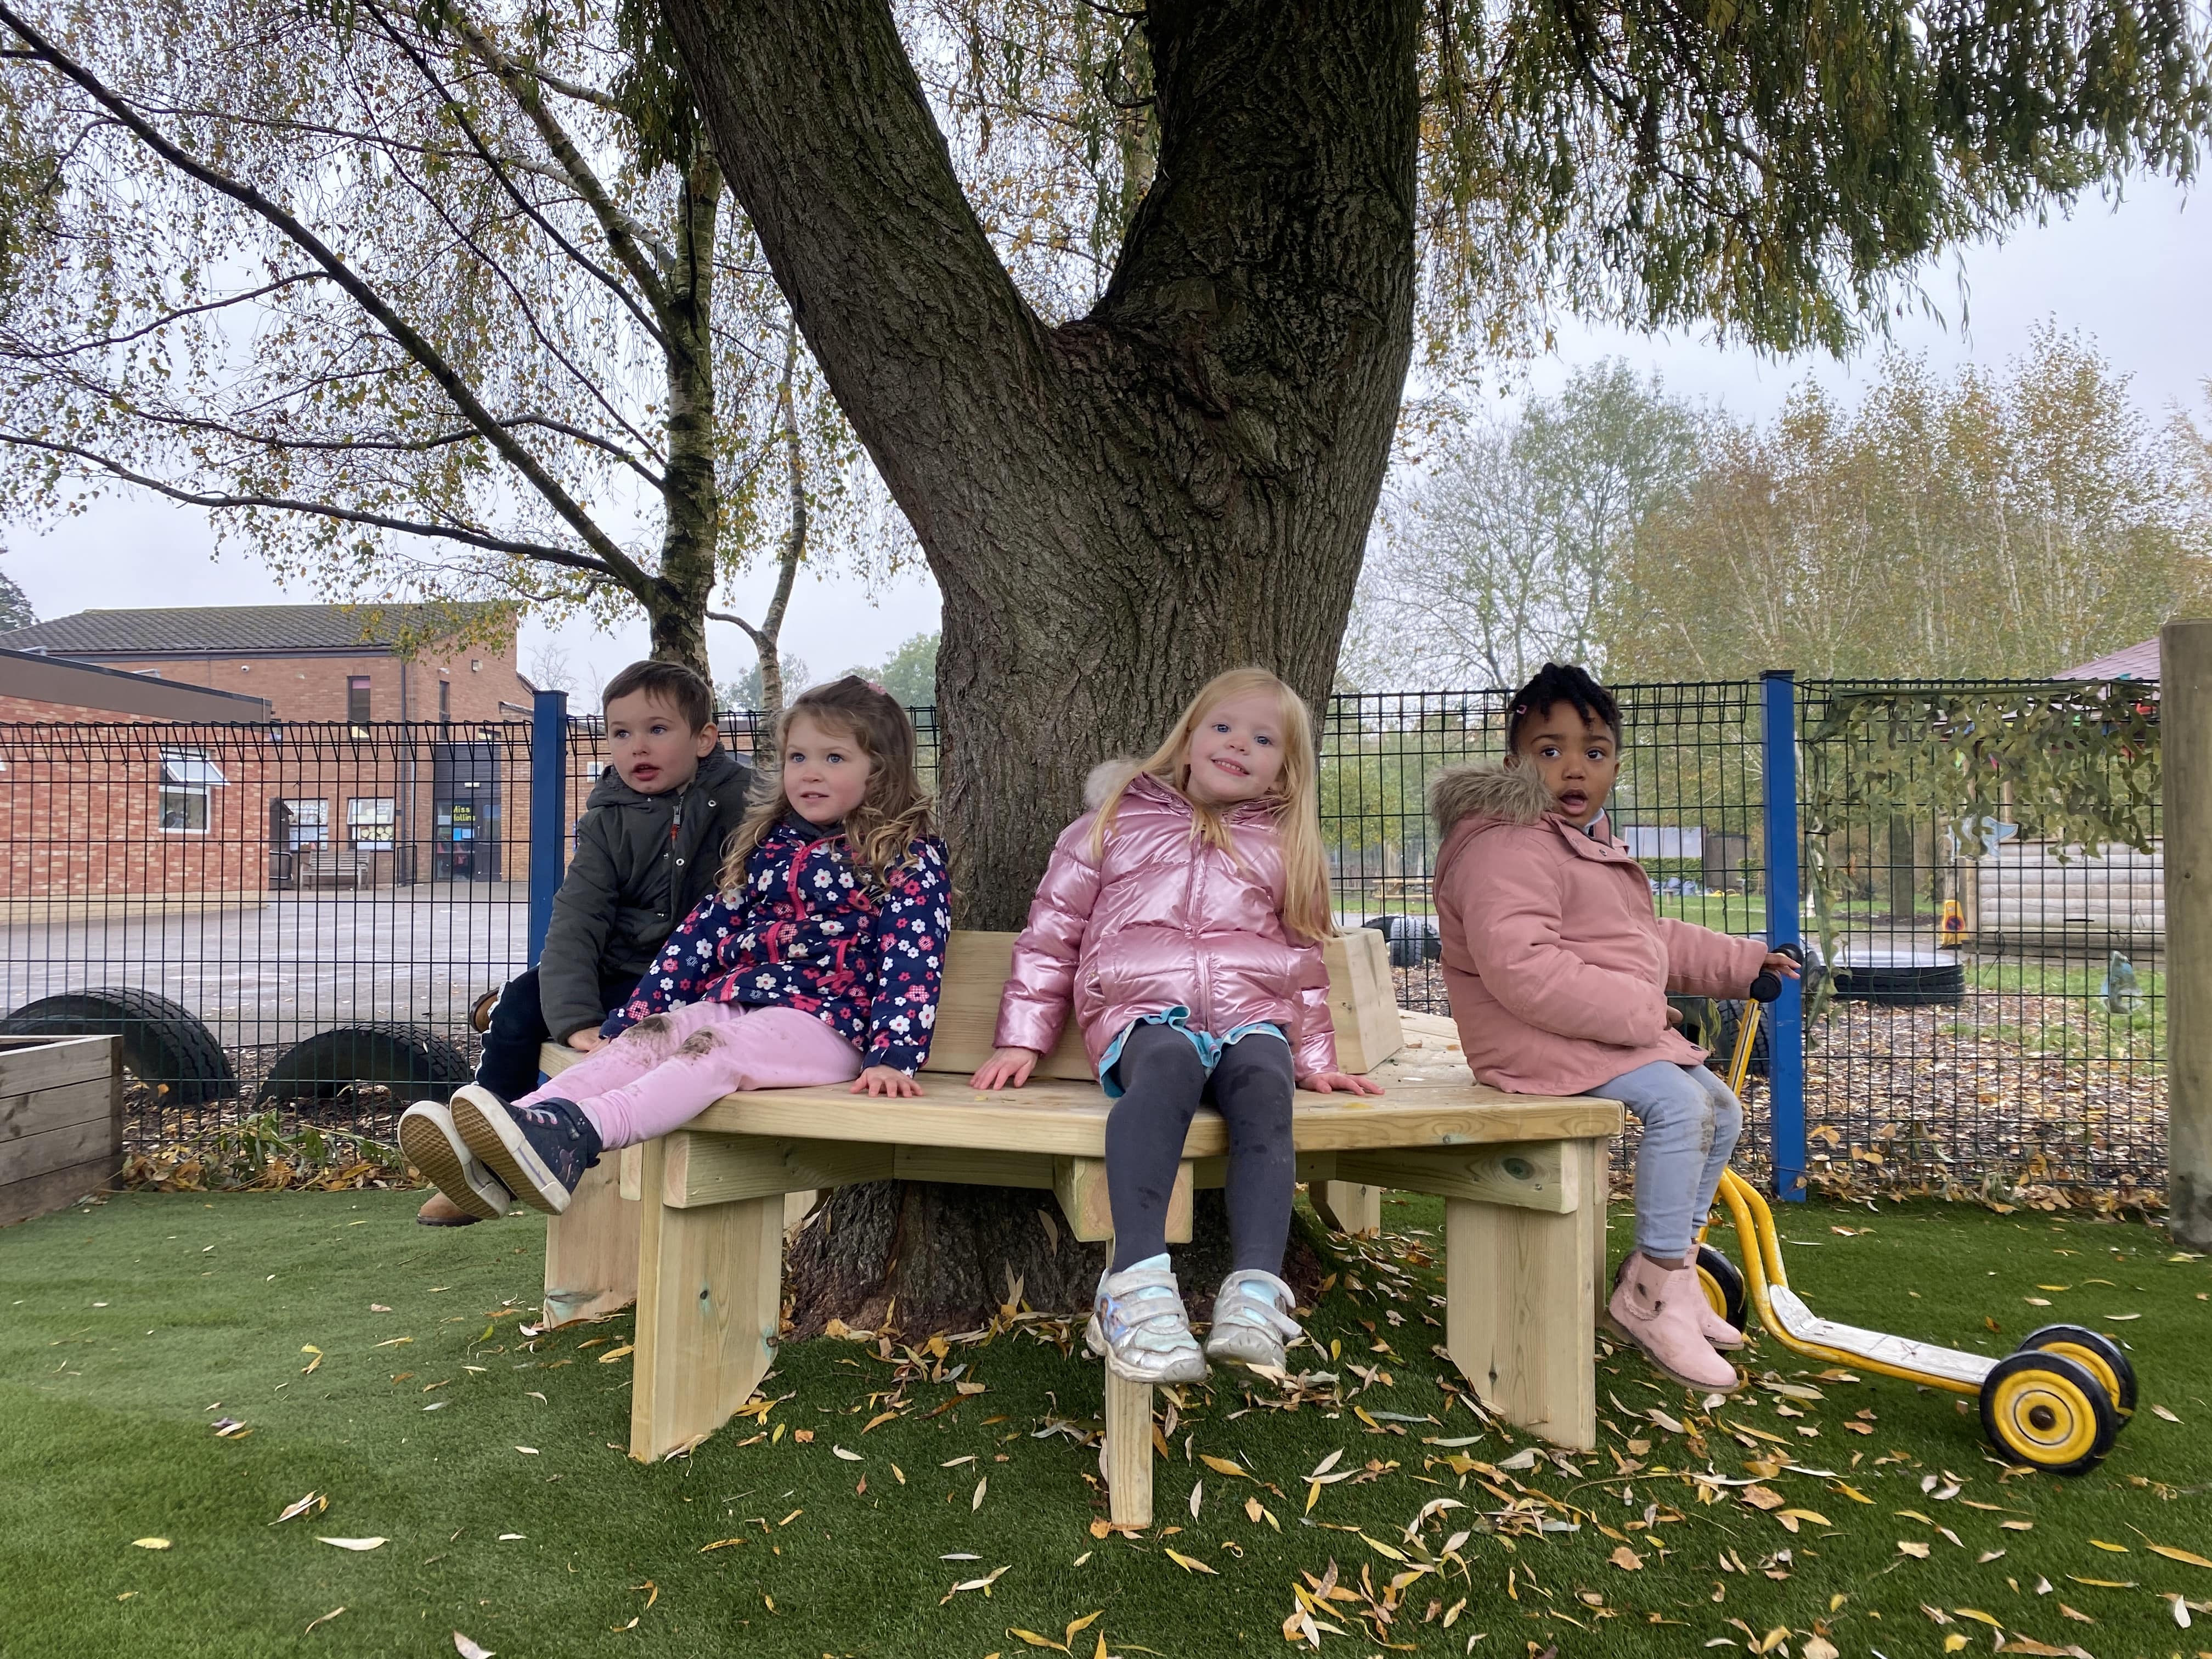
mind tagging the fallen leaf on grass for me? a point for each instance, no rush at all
(2173, 1554)
(983, 1585)
(1818, 1646)
(2116, 1549)
(1953, 1642)
(2180, 1608)
(2160, 1411)
(468, 1650)
(1976, 1613)
(306, 1370)
(1223, 1466)
(314, 1503)
(879, 1420)
(1035, 1640)
(1197, 1497)
(354, 1543)
(1763, 1497)
(613, 1354)
(1913, 1547)
(2103, 1583)
(976, 1502)
(722, 1544)
(1190, 1564)
(2017, 1526)
(2074, 1613)
(150, 1543)
(849, 1456)
(1626, 1559)
(325, 1619)
(527, 1451)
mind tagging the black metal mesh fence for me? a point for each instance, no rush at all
(291, 917)
(300, 918)
(1994, 1014)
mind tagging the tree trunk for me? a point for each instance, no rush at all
(1117, 509)
(676, 605)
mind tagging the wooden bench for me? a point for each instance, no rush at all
(691, 1226)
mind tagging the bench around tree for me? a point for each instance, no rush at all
(691, 1225)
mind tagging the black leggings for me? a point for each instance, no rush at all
(1165, 1081)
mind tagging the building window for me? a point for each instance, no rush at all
(188, 777)
(369, 820)
(445, 703)
(357, 700)
(307, 823)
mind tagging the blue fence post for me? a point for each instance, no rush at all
(548, 810)
(1785, 1041)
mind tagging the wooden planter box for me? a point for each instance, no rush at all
(61, 1121)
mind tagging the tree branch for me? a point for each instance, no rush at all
(611, 558)
(649, 280)
(540, 551)
(824, 129)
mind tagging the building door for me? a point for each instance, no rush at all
(465, 811)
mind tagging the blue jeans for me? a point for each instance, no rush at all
(1691, 1121)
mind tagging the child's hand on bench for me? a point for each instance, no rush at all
(885, 1080)
(1322, 1083)
(1007, 1068)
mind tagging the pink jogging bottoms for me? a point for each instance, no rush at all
(667, 1068)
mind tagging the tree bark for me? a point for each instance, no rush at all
(677, 602)
(1117, 509)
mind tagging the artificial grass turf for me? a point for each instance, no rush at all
(211, 1300)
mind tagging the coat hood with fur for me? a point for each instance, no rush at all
(1501, 794)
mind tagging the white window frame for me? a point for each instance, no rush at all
(387, 821)
(187, 774)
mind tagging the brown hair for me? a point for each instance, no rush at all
(670, 683)
(1297, 796)
(893, 814)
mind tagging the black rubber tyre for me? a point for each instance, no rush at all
(2099, 1353)
(1725, 1027)
(409, 1060)
(1723, 1283)
(165, 1047)
(2048, 1412)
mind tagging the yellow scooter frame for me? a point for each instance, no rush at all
(2057, 1403)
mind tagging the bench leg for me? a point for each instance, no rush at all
(591, 1250)
(1350, 1206)
(710, 1285)
(1128, 1460)
(1521, 1289)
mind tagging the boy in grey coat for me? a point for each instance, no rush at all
(647, 849)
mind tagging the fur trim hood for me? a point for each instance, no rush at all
(1503, 794)
(1105, 778)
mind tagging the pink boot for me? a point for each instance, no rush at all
(1716, 1330)
(1657, 1308)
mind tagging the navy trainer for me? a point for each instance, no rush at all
(539, 1151)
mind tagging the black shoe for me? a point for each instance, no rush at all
(539, 1151)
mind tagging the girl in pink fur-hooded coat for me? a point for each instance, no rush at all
(1559, 969)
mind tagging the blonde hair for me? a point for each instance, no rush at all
(1297, 796)
(894, 811)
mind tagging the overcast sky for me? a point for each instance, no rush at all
(2132, 277)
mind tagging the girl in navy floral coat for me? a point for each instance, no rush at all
(819, 961)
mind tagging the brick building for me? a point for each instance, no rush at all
(289, 766)
(111, 784)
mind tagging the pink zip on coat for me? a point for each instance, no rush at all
(1160, 920)
(1556, 961)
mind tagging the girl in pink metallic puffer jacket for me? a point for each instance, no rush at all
(1181, 918)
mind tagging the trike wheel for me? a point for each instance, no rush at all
(1723, 1283)
(2099, 1354)
(2049, 1412)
